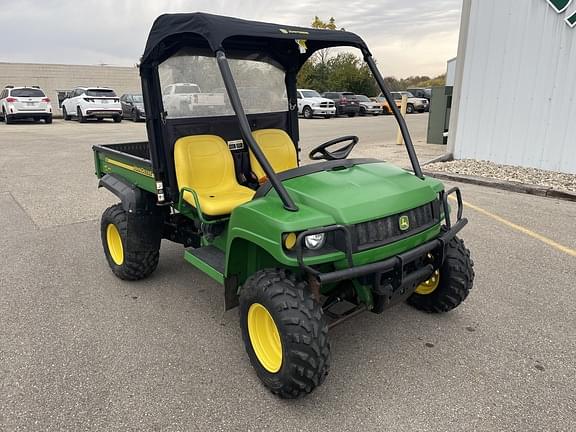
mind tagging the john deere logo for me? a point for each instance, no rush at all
(404, 223)
(560, 6)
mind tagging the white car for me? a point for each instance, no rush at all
(25, 103)
(311, 104)
(92, 102)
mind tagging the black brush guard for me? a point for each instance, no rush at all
(396, 265)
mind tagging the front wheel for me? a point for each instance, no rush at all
(328, 116)
(125, 263)
(351, 114)
(410, 109)
(284, 332)
(448, 286)
(307, 112)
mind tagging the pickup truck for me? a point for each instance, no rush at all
(184, 99)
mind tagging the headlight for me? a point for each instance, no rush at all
(315, 104)
(315, 241)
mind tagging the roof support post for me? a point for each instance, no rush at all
(247, 132)
(401, 121)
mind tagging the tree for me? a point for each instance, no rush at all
(347, 72)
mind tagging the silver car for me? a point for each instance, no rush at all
(414, 104)
(368, 106)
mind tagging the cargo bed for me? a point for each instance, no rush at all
(128, 160)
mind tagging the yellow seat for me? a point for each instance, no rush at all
(204, 164)
(278, 149)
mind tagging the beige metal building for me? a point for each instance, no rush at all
(54, 78)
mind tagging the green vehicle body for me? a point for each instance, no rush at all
(253, 237)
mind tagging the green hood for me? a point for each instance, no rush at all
(362, 192)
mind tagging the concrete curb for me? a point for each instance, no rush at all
(542, 191)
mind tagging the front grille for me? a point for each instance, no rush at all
(326, 104)
(386, 230)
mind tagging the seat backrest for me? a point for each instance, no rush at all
(203, 162)
(278, 149)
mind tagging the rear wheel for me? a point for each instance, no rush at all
(48, 120)
(80, 116)
(125, 263)
(307, 112)
(450, 284)
(135, 115)
(117, 118)
(351, 114)
(284, 332)
(328, 116)
(7, 118)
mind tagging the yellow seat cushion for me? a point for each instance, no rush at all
(278, 149)
(204, 164)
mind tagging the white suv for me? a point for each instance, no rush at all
(92, 102)
(311, 104)
(25, 103)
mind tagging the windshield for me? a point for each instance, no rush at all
(350, 96)
(310, 94)
(363, 98)
(27, 92)
(193, 87)
(137, 98)
(100, 93)
(408, 94)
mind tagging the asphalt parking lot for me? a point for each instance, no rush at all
(82, 350)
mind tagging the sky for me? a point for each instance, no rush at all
(407, 37)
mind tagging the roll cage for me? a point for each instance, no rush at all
(224, 38)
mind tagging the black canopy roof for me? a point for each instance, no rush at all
(215, 32)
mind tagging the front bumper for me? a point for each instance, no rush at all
(373, 110)
(324, 111)
(398, 265)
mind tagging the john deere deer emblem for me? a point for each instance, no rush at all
(404, 223)
(560, 6)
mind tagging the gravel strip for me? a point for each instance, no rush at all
(532, 176)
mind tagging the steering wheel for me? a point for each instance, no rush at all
(322, 152)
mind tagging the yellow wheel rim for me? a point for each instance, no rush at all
(430, 285)
(115, 244)
(264, 338)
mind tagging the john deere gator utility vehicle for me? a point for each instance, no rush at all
(298, 248)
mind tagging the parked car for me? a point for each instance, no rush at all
(184, 99)
(92, 102)
(133, 107)
(381, 100)
(346, 102)
(25, 103)
(425, 93)
(414, 104)
(311, 104)
(368, 106)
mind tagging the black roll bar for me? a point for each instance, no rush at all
(247, 132)
(401, 121)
